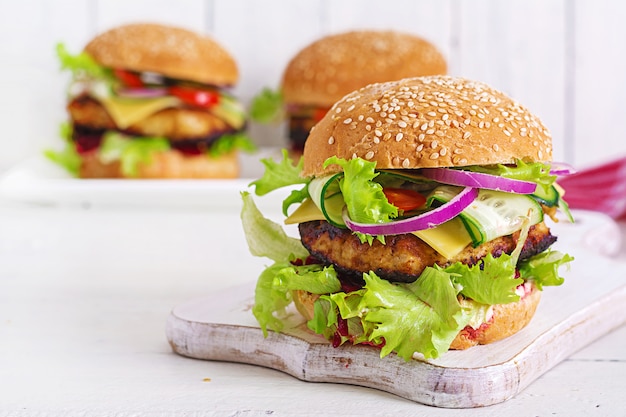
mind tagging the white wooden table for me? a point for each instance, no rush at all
(85, 293)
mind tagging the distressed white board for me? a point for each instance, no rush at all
(590, 304)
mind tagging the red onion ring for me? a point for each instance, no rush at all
(479, 180)
(142, 92)
(427, 220)
(561, 169)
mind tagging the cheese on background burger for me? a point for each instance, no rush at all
(326, 70)
(152, 101)
(421, 206)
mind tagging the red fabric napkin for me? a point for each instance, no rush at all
(600, 188)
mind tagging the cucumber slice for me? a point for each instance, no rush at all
(548, 197)
(326, 195)
(493, 213)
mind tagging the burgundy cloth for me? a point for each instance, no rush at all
(599, 188)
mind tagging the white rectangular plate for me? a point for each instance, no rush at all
(37, 180)
(588, 305)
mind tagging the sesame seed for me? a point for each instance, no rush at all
(331, 140)
(430, 131)
(402, 123)
(506, 132)
(368, 127)
(378, 133)
(439, 133)
(496, 147)
(361, 117)
(376, 139)
(434, 155)
(338, 110)
(467, 121)
(432, 113)
(347, 121)
(392, 116)
(466, 135)
(424, 126)
(419, 147)
(434, 144)
(369, 155)
(387, 136)
(351, 108)
(399, 137)
(369, 120)
(405, 163)
(421, 137)
(443, 152)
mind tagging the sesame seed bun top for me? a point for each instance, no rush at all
(434, 121)
(333, 66)
(167, 50)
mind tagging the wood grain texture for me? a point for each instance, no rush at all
(221, 327)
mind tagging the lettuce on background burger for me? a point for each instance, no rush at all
(420, 205)
(152, 101)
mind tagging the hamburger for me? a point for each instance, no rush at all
(422, 207)
(326, 70)
(152, 101)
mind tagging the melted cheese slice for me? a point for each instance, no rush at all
(306, 212)
(128, 111)
(449, 238)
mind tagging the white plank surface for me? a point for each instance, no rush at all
(85, 293)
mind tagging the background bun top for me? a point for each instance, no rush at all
(434, 121)
(326, 70)
(171, 51)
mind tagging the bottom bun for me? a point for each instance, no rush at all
(507, 319)
(166, 165)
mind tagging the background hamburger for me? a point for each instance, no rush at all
(421, 217)
(152, 101)
(335, 65)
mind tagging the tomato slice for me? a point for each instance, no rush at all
(404, 199)
(128, 78)
(195, 96)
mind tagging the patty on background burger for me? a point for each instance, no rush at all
(420, 207)
(331, 67)
(152, 101)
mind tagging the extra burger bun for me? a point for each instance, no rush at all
(326, 70)
(507, 319)
(433, 121)
(171, 51)
(166, 165)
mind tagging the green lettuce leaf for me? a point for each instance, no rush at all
(267, 106)
(535, 172)
(130, 152)
(230, 142)
(270, 302)
(495, 283)
(279, 174)
(68, 158)
(543, 268)
(266, 238)
(81, 64)
(365, 200)
(396, 317)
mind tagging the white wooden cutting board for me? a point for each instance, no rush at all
(590, 304)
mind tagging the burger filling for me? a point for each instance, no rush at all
(404, 260)
(302, 118)
(126, 116)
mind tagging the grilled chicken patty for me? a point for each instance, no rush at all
(176, 124)
(403, 257)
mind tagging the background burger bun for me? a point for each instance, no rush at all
(166, 165)
(432, 121)
(171, 51)
(326, 70)
(507, 319)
